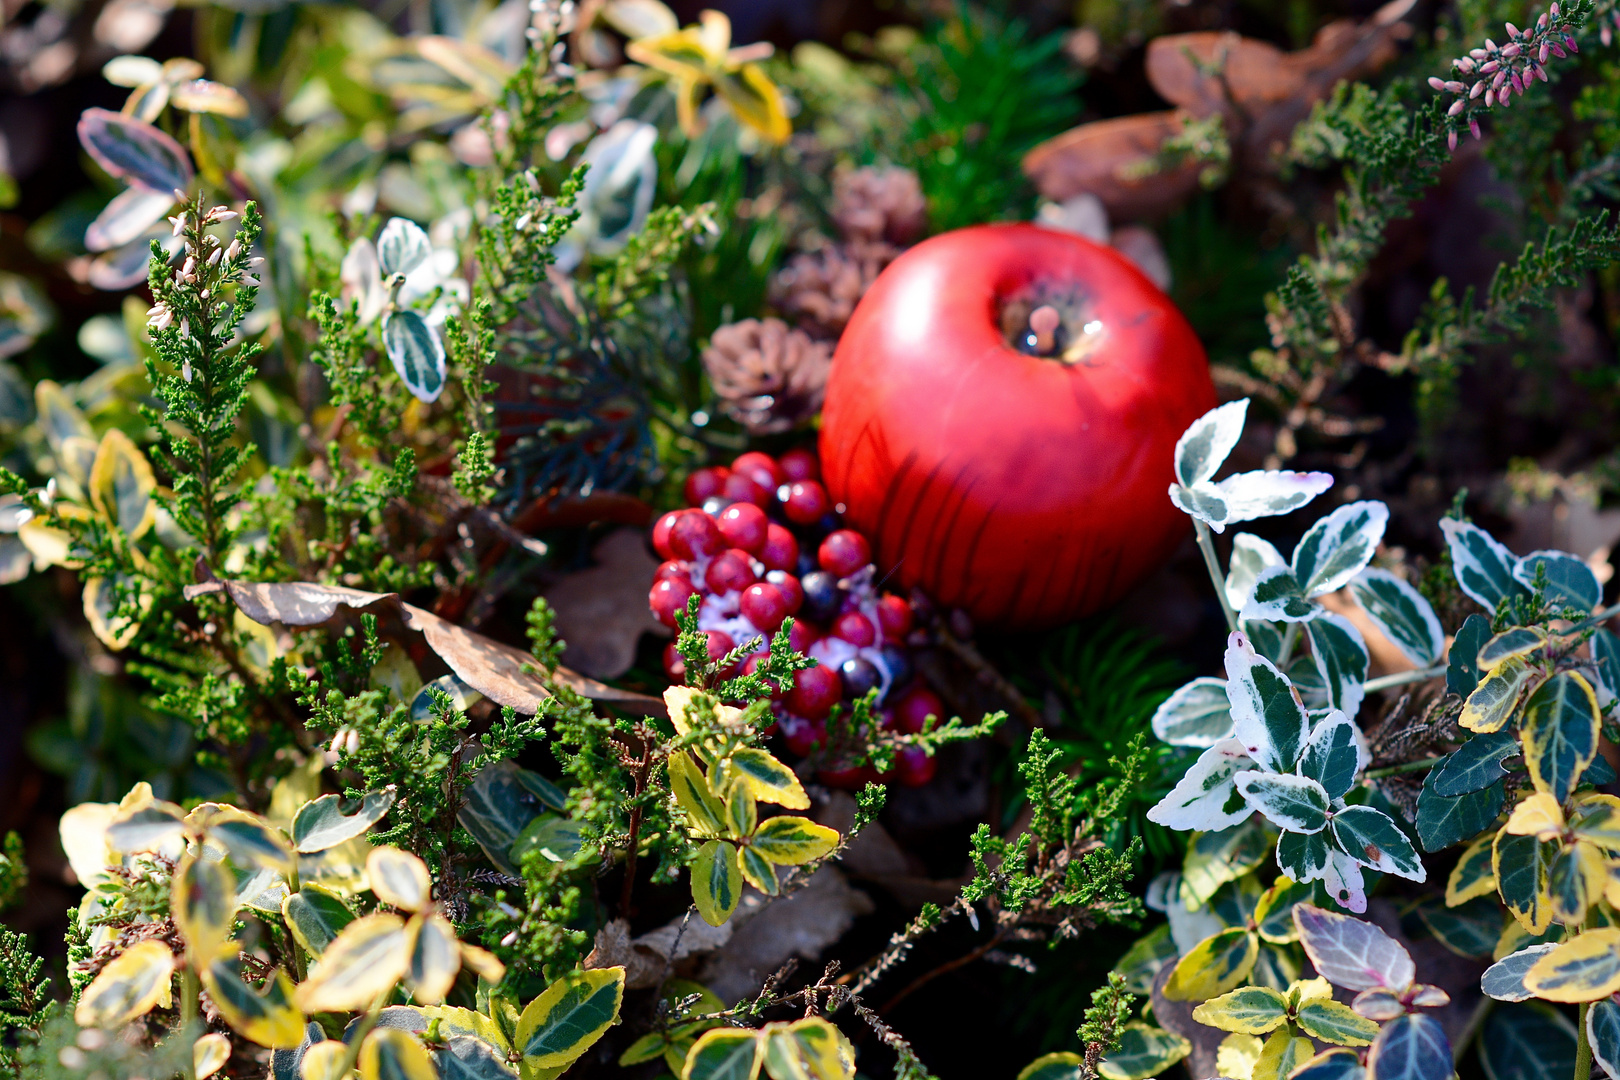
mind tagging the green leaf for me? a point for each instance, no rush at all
(1401, 612)
(555, 837)
(202, 901)
(1352, 953)
(1062, 1065)
(1442, 822)
(1214, 966)
(315, 916)
(791, 840)
(1266, 716)
(322, 823)
(1144, 960)
(1491, 705)
(1143, 1051)
(392, 1054)
(1301, 856)
(1333, 755)
(127, 987)
(1339, 546)
(725, 1054)
(1504, 980)
(1603, 1035)
(1585, 968)
(1215, 858)
(499, 804)
(692, 791)
(759, 871)
(767, 778)
(1560, 733)
(1334, 1022)
(565, 1021)
(1372, 838)
(1570, 582)
(1521, 864)
(1292, 803)
(1252, 1010)
(1274, 914)
(416, 352)
(132, 150)
(1340, 657)
(1474, 875)
(1528, 1041)
(1520, 641)
(1335, 1064)
(1470, 930)
(1484, 568)
(1410, 1048)
(716, 881)
(1462, 667)
(1475, 766)
(466, 1058)
(1196, 715)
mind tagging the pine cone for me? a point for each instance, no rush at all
(820, 289)
(769, 376)
(873, 204)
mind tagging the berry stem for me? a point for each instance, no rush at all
(1206, 544)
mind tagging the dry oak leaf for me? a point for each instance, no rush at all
(602, 610)
(1103, 159)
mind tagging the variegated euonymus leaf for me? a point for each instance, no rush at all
(1353, 953)
(1196, 715)
(1331, 553)
(416, 352)
(1527, 1041)
(1483, 567)
(1560, 733)
(130, 985)
(1462, 663)
(135, 151)
(1250, 557)
(1504, 980)
(1475, 765)
(1292, 803)
(1372, 838)
(1412, 1047)
(1335, 754)
(1266, 712)
(1584, 968)
(1569, 581)
(1444, 820)
(1143, 1051)
(1203, 449)
(565, 1021)
(322, 823)
(402, 247)
(1340, 657)
(1603, 1035)
(1606, 655)
(1401, 613)
(1206, 798)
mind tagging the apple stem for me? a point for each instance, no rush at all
(1043, 323)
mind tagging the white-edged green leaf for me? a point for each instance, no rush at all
(315, 915)
(1196, 715)
(1335, 754)
(127, 218)
(565, 1021)
(1603, 1035)
(1340, 657)
(1204, 447)
(499, 804)
(1569, 581)
(1266, 715)
(1484, 567)
(1351, 952)
(1205, 798)
(1560, 733)
(399, 878)
(1476, 765)
(555, 837)
(1250, 555)
(328, 821)
(152, 827)
(1277, 596)
(1402, 614)
(416, 352)
(1412, 1047)
(1143, 1051)
(402, 246)
(1372, 838)
(1336, 1064)
(467, 1058)
(135, 151)
(1269, 492)
(1527, 1041)
(1215, 858)
(130, 985)
(1339, 546)
(1584, 968)
(1303, 857)
(1606, 680)
(1292, 803)
(1144, 960)
(1504, 980)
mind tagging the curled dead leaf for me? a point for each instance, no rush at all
(1106, 159)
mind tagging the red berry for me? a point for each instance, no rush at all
(802, 636)
(752, 664)
(674, 666)
(705, 483)
(912, 711)
(801, 735)
(807, 502)
(844, 552)
(799, 464)
(743, 489)
(894, 617)
(854, 628)
(914, 766)
(730, 572)
(660, 533)
(815, 691)
(745, 526)
(848, 777)
(764, 606)
(694, 535)
(781, 548)
(720, 643)
(673, 570)
(792, 592)
(667, 598)
(759, 468)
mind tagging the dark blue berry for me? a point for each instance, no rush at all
(860, 676)
(822, 596)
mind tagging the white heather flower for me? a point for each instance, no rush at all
(234, 250)
(185, 369)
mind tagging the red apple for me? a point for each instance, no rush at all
(1007, 465)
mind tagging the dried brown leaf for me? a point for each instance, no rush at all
(1102, 159)
(602, 611)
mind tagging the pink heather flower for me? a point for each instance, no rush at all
(1451, 140)
(1473, 126)
(1436, 82)
(1479, 88)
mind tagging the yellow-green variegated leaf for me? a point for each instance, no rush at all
(455, 1021)
(1539, 815)
(323, 1061)
(1215, 858)
(393, 1054)
(742, 813)
(202, 900)
(1144, 960)
(1473, 875)
(1585, 968)
(724, 1054)
(151, 826)
(399, 878)
(1335, 1022)
(1253, 1010)
(252, 841)
(1143, 1051)
(692, 791)
(792, 840)
(114, 628)
(130, 985)
(562, 1023)
(1521, 864)
(716, 881)
(315, 916)
(1274, 913)
(209, 1054)
(321, 823)
(121, 485)
(1576, 881)
(1492, 703)
(266, 1017)
(1281, 1054)
(760, 872)
(1236, 1056)
(1062, 1065)
(483, 963)
(1213, 966)
(1560, 733)
(366, 958)
(756, 102)
(435, 957)
(807, 1049)
(1519, 641)
(768, 779)
(646, 1048)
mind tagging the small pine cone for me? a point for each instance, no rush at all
(820, 289)
(879, 204)
(768, 375)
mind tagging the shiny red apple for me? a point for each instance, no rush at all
(1001, 418)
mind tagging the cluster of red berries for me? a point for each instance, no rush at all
(761, 541)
